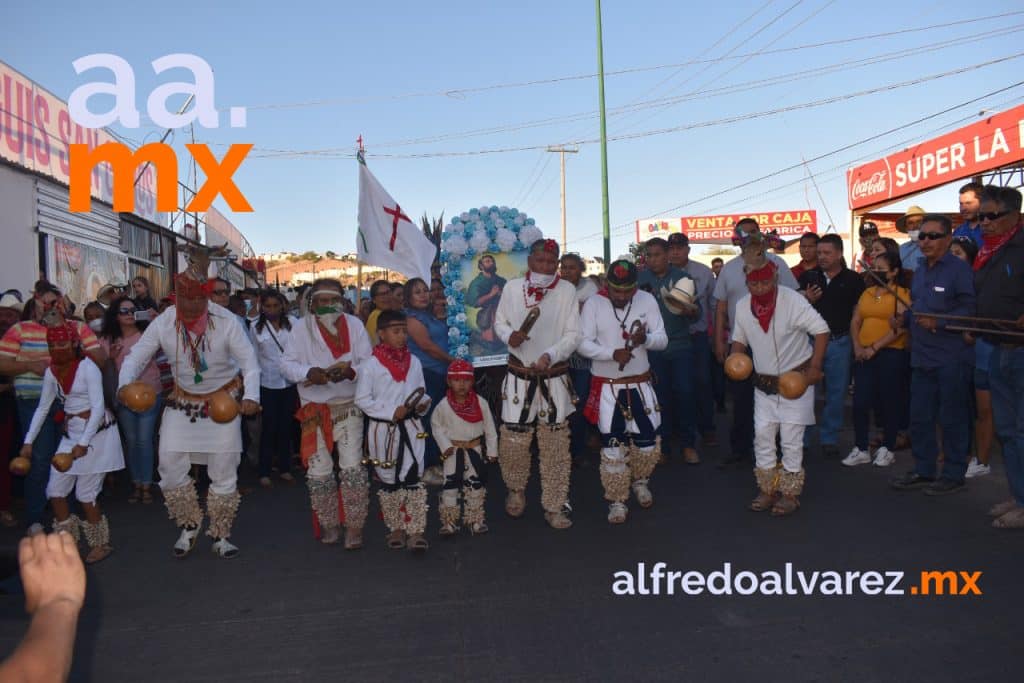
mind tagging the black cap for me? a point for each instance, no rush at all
(868, 227)
(678, 239)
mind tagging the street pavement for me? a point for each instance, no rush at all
(525, 602)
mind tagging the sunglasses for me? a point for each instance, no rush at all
(931, 235)
(125, 311)
(992, 216)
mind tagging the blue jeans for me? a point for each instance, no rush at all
(702, 394)
(139, 433)
(1006, 377)
(577, 423)
(939, 396)
(43, 450)
(837, 380)
(880, 384)
(673, 375)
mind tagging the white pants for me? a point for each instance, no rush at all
(791, 437)
(87, 486)
(348, 436)
(222, 469)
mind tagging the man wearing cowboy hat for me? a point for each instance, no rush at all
(910, 223)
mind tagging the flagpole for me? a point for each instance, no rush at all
(605, 223)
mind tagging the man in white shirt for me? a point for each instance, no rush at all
(207, 349)
(775, 322)
(537, 396)
(618, 330)
(323, 357)
(730, 287)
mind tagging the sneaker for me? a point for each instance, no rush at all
(943, 487)
(884, 457)
(977, 469)
(643, 494)
(225, 549)
(617, 513)
(910, 481)
(856, 457)
(186, 541)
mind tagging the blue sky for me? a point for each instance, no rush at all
(366, 59)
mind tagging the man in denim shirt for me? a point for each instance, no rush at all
(673, 367)
(942, 284)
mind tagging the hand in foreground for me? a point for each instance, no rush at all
(51, 571)
(813, 375)
(317, 376)
(543, 363)
(621, 356)
(78, 451)
(249, 407)
(400, 413)
(516, 339)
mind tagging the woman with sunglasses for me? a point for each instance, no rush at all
(120, 332)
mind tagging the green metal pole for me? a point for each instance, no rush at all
(606, 228)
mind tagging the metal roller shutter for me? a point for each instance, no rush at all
(99, 227)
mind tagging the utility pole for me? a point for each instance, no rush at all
(606, 228)
(562, 151)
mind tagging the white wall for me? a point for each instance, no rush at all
(19, 241)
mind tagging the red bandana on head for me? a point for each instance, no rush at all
(763, 305)
(469, 410)
(64, 374)
(186, 286)
(397, 361)
(991, 244)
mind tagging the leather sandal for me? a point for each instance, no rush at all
(1014, 519)
(785, 505)
(147, 496)
(353, 539)
(1000, 509)
(515, 504)
(764, 501)
(417, 543)
(396, 539)
(557, 520)
(477, 528)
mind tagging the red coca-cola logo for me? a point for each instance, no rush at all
(869, 183)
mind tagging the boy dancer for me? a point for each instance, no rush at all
(390, 392)
(89, 435)
(775, 323)
(619, 328)
(462, 422)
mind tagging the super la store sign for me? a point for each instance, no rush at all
(124, 162)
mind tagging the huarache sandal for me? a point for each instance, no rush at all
(396, 539)
(786, 505)
(417, 543)
(1000, 509)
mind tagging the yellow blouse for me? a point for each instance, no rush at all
(876, 314)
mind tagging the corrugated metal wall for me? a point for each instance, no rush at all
(99, 227)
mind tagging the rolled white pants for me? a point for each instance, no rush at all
(222, 469)
(348, 435)
(86, 486)
(790, 435)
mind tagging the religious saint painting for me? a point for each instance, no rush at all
(484, 276)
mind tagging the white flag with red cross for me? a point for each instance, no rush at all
(387, 237)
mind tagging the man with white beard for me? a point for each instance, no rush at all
(539, 319)
(323, 357)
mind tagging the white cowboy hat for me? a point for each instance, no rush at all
(10, 301)
(680, 299)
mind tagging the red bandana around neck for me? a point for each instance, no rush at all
(468, 411)
(338, 345)
(991, 244)
(538, 292)
(397, 361)
(763, 307)
(65, 374)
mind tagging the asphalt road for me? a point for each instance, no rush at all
(525, 602)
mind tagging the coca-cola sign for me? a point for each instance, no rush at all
(966, 152)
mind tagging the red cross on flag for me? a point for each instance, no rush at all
(387, 238)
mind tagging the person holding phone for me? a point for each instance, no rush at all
(143, 299)
(120, 332)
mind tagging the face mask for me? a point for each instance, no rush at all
(96, 325)
(912, 234)
(328, 315)
(541, 280)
